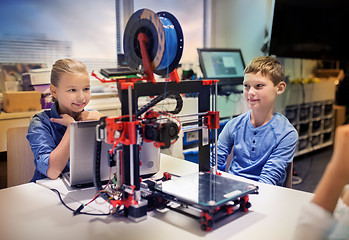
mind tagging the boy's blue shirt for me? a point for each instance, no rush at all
(261, 154)
(44, 136)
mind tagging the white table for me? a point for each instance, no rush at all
(32, 211)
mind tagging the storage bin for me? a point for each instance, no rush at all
(327, 123)
(315, 140)
(190, 138)
(303, 129)
(328, 109)
(304, 112)
(316, 126)
(303, 143)
(317, 109)
(291, 112)
(191, 155)
(327, 136)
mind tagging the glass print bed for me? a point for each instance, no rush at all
(206, 190)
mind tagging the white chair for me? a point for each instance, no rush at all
(289, 172)
(20, 159)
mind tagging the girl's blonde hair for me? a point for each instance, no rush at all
(269, 67)
(63, 66)
(66, 65)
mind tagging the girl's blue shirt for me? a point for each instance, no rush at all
(261, 154)
(44, 136)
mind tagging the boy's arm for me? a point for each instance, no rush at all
(224, 146)
(275, 168)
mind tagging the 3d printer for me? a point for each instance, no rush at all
(155, 41)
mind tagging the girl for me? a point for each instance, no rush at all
(327, 215)
(48, 132)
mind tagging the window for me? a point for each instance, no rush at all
(47, 30)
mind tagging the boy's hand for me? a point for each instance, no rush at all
(89, 115)
(65, 120)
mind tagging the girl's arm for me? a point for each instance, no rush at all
(336, 175)
(60, 155)
(89, 115)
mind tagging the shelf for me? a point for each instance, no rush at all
(314, 124)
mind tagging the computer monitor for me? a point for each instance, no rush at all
(226, 65)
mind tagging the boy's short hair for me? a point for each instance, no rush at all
(268, 67)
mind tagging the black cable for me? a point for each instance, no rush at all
(168, 94)
(97, 171)
(302, 84)
(77, 211)
(300, 180)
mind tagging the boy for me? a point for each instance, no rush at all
(263, 141)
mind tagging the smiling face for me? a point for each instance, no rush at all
(260, 92)
(72, 93)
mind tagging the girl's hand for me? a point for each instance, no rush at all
(89, 115)
(65, 120)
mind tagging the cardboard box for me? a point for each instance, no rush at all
(22, 101)
(335, 75)
(340, 115)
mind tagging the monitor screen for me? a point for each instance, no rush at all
(226, 65)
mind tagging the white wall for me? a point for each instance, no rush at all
(240, 24)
